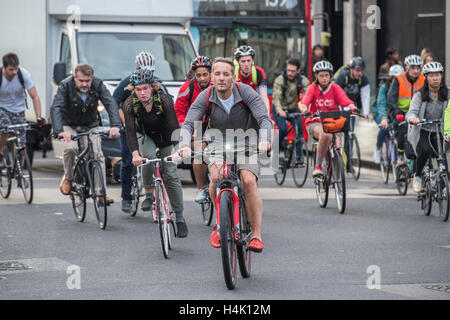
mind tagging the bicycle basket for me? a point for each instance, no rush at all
(335, 121)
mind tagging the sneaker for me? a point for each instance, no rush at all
(214, 238)
(200, 196)
(318, 171)
(65, 186)
(108, 201)
(182, 230)
(147, 204)
(126, 206)
(417, 184)
(299, 163)
(377, 156)
(255, 245)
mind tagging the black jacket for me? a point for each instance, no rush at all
(68, 108)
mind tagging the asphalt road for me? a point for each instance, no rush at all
(381, 248)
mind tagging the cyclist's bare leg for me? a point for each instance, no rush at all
(3, 139)
(253, 201)
(324, 141)
(214, 172)
(199, 168)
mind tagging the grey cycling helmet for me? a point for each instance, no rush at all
(323, 66)
(395, 70)
(413, 60)
(432, 67)
(145, 60)
(243, 51)
(357, 62)
(141, 76)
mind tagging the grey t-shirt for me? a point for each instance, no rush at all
(12, 96)
(433, 111)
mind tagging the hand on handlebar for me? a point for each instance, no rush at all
(282, 114)
(414, 121)
(114, 132)
(137, 159)
(66, 135)
(184, 152)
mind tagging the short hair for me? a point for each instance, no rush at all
(293, 62)
(10, 59)
(317, 46)
(390, 51)
(85, 69)
(223, 60)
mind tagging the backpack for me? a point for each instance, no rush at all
(137, 105)
(191, 90)
(346, 68)
(285, 84)
(21, 80)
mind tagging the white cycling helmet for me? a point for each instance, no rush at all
(243, 51)
(432, 67)
(413, 60)
(395, 70)
(145, 60)
(323, 66)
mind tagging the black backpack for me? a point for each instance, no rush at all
(21, 80)
(285, 84)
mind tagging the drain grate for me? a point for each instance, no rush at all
(13, 266)
(445, 287)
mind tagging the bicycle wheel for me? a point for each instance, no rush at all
(5, 174)
(425, 196)
(443, 196)
(322, 187)
(300, 172)
(207, 210)
(402, 173)
(280, 174)
(78, 192)
(25, 175)
(227, 239)
(244, 255)
(355, 160)
(99, 192)
(163, 220)
(339, 182)
(385, 163)
(135, 196)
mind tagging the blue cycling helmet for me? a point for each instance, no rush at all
(142, 76)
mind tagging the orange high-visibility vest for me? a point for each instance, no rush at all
(406, 91)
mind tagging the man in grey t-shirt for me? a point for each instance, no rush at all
(14, 82)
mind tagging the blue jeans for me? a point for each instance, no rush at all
(282, 129)
(126, 167)
(382, 133)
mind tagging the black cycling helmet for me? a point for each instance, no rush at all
(357, 62)
(142, 76)
(243, 51)
(201, 61)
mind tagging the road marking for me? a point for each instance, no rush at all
(38, 265)
(423, 291)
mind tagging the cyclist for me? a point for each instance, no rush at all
(428, 103)
(379, 111)
(150, 120)
(322, 95)
(399, 96)
(14, 81)
(246, 72)
(144, 60)
(74, 110)
(286, 94)
(189, 91)
(226, 112)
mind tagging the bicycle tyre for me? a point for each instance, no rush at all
(227, 240)
(78, 193)
(385, 163)
(402, 179)
(163, 221)
(243, 253)
(426, 200)
(443, 197)
(300, 174)
(6, 174)
(339, 182)
(207, 210)
(322, 187)
(356, 158)
(101, 211)
(25, 176)
(135, 196)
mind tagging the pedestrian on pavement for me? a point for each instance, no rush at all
(429, 103)
(287, 89)
(75, 110)
(15, 81)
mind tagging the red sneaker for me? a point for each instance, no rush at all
(318, 171)
(255, 245)
(214, 238)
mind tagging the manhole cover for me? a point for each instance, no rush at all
(438, 287)
(13, 266)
